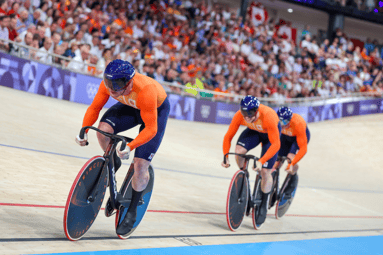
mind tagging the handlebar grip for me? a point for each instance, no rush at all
(123, 145)
(82, 133)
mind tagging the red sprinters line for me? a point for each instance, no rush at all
(214, 213)
(30, 205)
(61, 207)
(164, 211)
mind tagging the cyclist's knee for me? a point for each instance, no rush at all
(265, 172)
(240, 150)
(106, 128)
(141, 166)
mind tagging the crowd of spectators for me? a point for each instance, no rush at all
(180, 41)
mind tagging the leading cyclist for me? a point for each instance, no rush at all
(142, 101)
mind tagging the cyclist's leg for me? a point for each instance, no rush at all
(267, 179)
(294, 178)
(248, 140)
(116, 119)
(142, 158)
(266, 184)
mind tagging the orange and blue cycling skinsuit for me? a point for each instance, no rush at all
(147, 105)
(266, 130)
(295, 137)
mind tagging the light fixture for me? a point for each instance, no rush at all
(290, 10)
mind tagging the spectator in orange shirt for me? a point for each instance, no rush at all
(221, 88)
(364, 54)
(121, 21)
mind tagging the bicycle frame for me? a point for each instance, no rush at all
(108, 166)
(247, 158)
(280, 161)
(276, 189)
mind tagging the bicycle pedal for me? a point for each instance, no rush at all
(113, 213)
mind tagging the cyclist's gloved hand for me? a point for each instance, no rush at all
(123, 154)
(82, 142)
(290, 169)
(227, 163)
(258, 166)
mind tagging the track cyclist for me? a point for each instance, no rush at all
(142, 101)
(294, 138)
(262, 127)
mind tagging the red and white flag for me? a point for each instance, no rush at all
(258, 14)
(285, 31)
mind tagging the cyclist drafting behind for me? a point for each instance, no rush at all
(294, 139)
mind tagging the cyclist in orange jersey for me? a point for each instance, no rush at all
(262, 127)
(294, 139)
(142, 101)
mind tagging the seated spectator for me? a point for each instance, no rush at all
(306, 31)
(23, 22)
(70, 51)
(35, 45)
(306, 43)
(220, 88)
(105, 59)
(14, 9)
(43, 54)
(92, 70)
(43, 11)
(35, 17)
(4, 32)
(12, 27)
(27, 41)
(3, 7)
(78, 63)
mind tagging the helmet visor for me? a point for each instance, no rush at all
(284, 122)
(249, 113)
(116, 84)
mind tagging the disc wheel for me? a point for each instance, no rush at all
(79, 213)
(237, 200)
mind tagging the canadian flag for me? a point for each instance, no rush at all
(258, 14)
(285, 31)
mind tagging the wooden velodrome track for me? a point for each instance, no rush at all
(340, 192)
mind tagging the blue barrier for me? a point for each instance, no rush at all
(34, 77)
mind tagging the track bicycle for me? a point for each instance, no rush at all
(88, 191)
(241, 201)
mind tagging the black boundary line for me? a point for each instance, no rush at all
(185, 172)
(5, 240)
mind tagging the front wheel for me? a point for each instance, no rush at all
(257, 203)
(237, 200)
(80, 213)
(284, 202)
